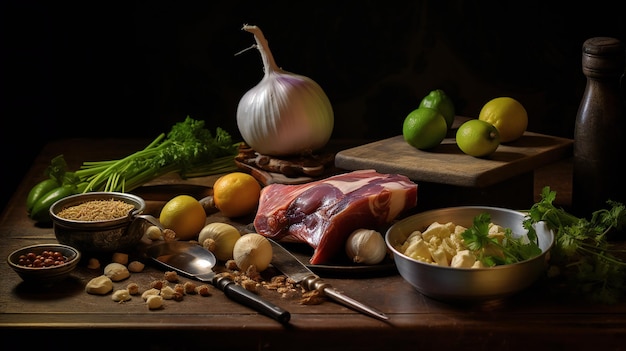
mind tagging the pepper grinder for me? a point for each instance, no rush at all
(600, 134)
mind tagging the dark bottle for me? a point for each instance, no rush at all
(600, 134)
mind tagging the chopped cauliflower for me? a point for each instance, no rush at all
(418, 248)
(442, 244)
(437, 230)
(463, 259)
(496, 231)
(478, 264)
(449, 248)
(459, 229)
(439, 256)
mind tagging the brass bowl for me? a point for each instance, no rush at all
(44, 275)
(468, 284)
(120, 234)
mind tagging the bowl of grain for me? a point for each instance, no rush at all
(100, 221)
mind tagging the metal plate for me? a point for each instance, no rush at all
(340, 269)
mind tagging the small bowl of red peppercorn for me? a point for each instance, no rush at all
(44, 263)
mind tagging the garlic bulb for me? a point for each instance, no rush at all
(252, 249)
(285, 113)
(366, 246)
(219, 238)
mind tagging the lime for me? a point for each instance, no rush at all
(507, 115)
(477, 138)
(184, 215)
(424, 128)
(438, 100)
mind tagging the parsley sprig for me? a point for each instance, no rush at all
(582, 254)
(188, 149)
(491, 251)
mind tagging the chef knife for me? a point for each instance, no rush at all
(290, 266)
(196, 262)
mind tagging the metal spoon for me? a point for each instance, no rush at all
(196, 262)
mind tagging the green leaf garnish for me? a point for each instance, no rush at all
(491, 251)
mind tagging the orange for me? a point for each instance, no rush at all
(236, 194)
(507, 115)
(184, 215)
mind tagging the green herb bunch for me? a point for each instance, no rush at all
(188, 149)
(582, 255)
(491, 251)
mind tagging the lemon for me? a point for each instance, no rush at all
(236, 194)
(184, 215)
(477, 138)
(438, 100)
(424, 128)
(507, 115)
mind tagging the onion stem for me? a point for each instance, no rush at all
(269, 65)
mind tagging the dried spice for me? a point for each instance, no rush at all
(96, 210)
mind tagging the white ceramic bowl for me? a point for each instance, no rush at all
(468, 284)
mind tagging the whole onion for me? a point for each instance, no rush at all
(285, 113)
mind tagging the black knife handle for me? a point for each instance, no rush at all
(250, 299)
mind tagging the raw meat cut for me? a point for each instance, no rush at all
(323, 213)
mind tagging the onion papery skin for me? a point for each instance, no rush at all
(285, 113)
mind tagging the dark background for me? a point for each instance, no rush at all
(134, 68)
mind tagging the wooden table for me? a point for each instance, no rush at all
(534, 319)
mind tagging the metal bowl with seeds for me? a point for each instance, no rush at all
(100, 221)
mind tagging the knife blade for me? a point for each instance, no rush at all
(289, 265)
(195, 262)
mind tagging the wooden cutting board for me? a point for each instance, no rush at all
(447, 164)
